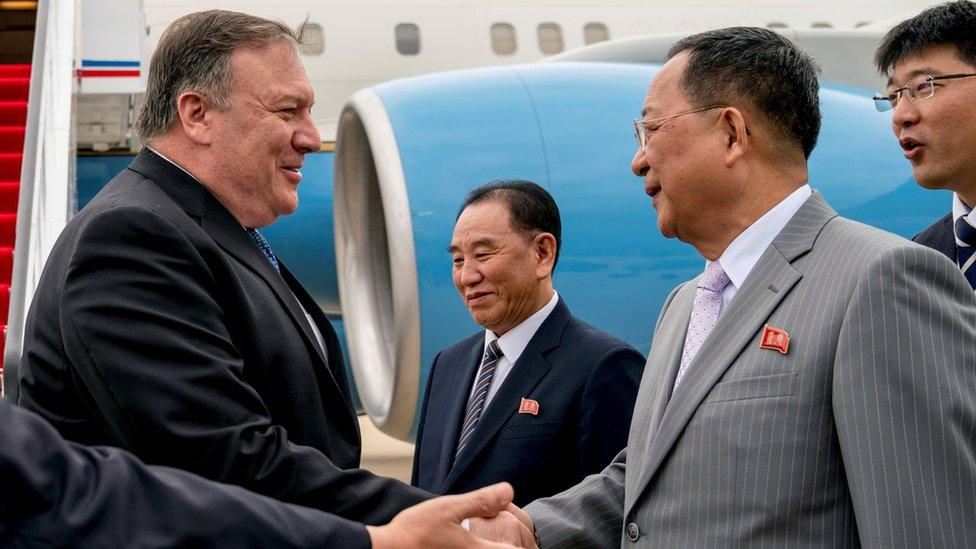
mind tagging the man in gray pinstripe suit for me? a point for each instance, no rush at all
(816, 386)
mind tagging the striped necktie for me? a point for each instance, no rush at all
(476, 404)
(966, 234)
(264, 247)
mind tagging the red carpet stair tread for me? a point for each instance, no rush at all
(14, 88)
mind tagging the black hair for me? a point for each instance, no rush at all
(761, 67)
(952, 23)
(531, 208)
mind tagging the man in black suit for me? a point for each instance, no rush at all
(59, 494)
(539, 398)
(930, 60)
(164, 324)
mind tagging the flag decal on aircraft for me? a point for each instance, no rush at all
(95, 68)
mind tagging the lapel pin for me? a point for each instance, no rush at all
(776, 339)
(529, 406)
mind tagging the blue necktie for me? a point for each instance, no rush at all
(264, 247)
(966, 233)
(476, 404)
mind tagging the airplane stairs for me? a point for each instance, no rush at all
(14, 85)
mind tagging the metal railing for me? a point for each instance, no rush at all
(47, 172)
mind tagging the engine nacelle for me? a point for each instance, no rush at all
(409, 150)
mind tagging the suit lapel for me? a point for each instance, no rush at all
(943, 240)
(199, 203)
(231, 236)
(526, 373)
(459, 390)
(660, 371)
(770, 281)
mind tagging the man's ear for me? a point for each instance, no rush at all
(193, 109)
(544, 245)
(737, 135)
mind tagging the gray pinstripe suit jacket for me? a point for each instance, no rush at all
(862, 435)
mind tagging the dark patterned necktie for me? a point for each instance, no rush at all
(966, 233)
(264, 247)
(476, 404)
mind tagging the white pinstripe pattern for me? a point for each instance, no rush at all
(863, 435)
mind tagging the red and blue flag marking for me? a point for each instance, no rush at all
(94, 68)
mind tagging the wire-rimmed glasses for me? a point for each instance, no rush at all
(642, 126)
(917, 89)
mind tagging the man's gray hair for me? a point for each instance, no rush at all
(194, 55)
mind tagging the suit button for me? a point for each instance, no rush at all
(633, 532)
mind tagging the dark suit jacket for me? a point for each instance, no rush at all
(585, 382)
(159, 327)
(59, 494)
(939, 236)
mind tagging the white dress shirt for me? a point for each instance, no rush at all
(512, 344)
(744, 252)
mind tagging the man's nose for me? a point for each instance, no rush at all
(469, 274)
(307, 138)
(904, 114)
(638, 164)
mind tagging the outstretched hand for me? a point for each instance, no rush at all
(502, 528)
(437, 523)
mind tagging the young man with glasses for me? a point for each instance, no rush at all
(930, 60)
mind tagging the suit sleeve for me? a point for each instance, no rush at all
(904, 401)
(607, 407)
(150, 344)
(54, 493)
(415, 476)
(589, 514)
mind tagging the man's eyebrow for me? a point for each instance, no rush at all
(289, 98)
(649, 110)
(481, 242)
(927, 71)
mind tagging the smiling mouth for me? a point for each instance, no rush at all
(475, 297)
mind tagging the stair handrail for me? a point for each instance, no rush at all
(47, 177)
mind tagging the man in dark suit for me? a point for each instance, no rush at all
(164, 324)
(539, 399)
(930, 60)
(59, 494)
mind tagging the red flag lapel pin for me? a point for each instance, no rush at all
(529, 406)
(776, 339)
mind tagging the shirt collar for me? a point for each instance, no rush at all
(960, 209)
(744, 252)
(515, 340)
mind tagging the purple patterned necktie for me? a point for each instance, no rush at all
(704, 313)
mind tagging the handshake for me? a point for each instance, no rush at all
(493, 523)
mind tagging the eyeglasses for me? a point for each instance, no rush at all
(644, 126)
(918, 89)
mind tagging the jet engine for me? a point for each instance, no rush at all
(409, 150)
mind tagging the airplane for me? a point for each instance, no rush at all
(355, 44)
(377, 206)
